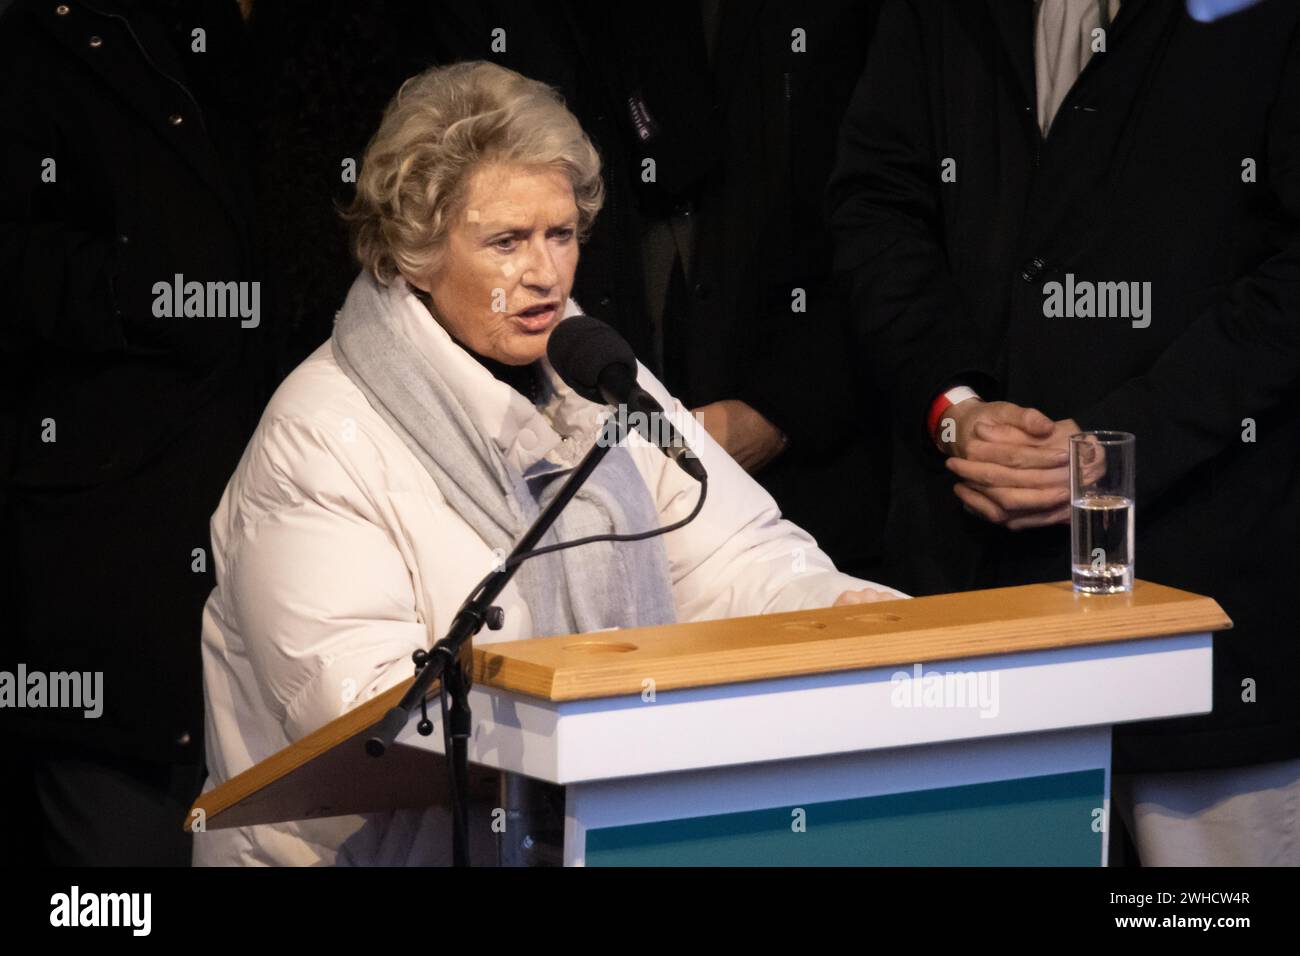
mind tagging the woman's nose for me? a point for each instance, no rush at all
(539, 269)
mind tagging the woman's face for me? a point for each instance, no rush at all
(509, 261)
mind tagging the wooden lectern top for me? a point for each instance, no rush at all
(945, 626)
(301, 781)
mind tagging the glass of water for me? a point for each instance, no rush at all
(1101, 511)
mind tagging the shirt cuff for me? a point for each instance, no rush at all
(944, 402)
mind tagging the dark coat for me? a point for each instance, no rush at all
(761, 235)
(151, 414)
(1140, 179)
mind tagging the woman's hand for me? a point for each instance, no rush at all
(865, 596)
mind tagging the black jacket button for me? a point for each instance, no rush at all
(1033, 269)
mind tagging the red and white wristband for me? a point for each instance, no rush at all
(941, 404)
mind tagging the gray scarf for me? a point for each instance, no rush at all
(594, 586)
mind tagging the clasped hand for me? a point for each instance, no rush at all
(1013, 462)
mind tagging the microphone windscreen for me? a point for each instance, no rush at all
(581, 348)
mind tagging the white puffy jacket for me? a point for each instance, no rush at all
(336, 556)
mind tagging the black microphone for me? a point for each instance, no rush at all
(597, 363)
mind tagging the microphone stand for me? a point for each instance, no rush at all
(450, 660)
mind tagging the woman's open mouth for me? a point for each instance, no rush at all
(537, 318)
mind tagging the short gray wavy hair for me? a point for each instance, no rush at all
(441, 126)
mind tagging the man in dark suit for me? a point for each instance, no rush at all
(120, 420)
(1000, 151)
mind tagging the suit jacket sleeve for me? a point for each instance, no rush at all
(58, 277)
(884, 210)
(1238, 360)
(795, 371)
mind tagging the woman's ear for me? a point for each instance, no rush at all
(419, 290)
(417, 284)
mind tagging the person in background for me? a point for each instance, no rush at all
(998, 153)
(125, 145)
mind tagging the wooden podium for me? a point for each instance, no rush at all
(969, 728)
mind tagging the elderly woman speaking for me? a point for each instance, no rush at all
(395, 466)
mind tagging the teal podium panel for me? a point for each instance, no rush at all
(1035, 821)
